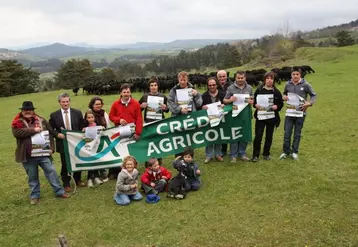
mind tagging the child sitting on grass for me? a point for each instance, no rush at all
(189, 168)
(127, 183)
(155, 177)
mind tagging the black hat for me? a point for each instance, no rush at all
(27, 105)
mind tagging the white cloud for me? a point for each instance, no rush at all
(118, 21)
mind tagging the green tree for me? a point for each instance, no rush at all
(15, 79)
(344, 38)
(74, 73)
(108, 74)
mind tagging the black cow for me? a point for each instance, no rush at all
(307, 69)
(75, 90)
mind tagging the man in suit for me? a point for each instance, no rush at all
(69, 119)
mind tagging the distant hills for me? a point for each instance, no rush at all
(59, 50)
(56, 50)
(110, 52)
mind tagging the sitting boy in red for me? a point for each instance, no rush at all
(155, 177)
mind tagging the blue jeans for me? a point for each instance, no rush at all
(216, 148)
(32, 169)
(238, 149)
(124, 199)
(290, 123)
(192, 185)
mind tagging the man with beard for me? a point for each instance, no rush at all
(124, 111)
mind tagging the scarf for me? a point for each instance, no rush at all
(20, 122)
(99, 118)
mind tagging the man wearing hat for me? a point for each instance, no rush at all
(33, 134)
(69, 119)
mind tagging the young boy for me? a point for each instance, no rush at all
(190, 169)
(155, 177)
(299, 86)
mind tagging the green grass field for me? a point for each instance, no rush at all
(312, 202)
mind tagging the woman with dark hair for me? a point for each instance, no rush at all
(212, 95)
(101, 116)
(101, 119)
(266, 120)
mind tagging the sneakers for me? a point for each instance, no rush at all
(244, 158)
(98, 181)
(283, 156)
(267, 157)
(295, 156)
(90, 183)
(34, 201)
(254, 159)
(207, 160)
(179, 196)
(233, 160)
(219, 158)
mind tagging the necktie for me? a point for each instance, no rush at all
(67, 121)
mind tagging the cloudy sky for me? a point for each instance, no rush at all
(106, 22)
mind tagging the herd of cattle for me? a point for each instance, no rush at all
(253, 77)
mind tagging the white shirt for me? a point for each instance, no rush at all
(64, 118)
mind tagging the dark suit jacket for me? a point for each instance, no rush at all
(57, 123)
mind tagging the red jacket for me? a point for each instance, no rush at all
(149, 177)
(131, 113)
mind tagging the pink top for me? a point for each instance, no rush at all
(92, 124)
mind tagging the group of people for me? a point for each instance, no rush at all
(127, 110)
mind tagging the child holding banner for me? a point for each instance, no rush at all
(155, 177)
(92, 175)
(127, 183)
(190, 169)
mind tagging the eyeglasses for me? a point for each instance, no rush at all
(212, 85)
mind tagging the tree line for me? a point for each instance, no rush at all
(269, 49)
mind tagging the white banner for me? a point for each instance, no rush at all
(108, 151)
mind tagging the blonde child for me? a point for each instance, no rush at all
(127, 183)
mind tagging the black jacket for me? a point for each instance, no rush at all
(145, 99)
(56, 122)
(207, 98)
(276, 101)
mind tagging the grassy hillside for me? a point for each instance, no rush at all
(313, 56)
(312, 202)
